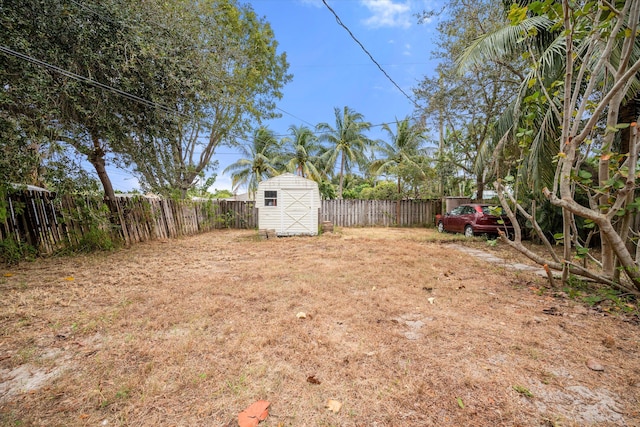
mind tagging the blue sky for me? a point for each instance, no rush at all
(331, 70)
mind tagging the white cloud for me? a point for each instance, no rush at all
(387, 13)
(407, 50)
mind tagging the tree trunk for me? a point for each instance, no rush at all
(398, 202)
(627, 114)
(341, 175)
(96, 157)
(479, 188)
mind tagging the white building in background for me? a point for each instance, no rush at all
(288, 204)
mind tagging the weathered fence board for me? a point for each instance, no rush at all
(359, 213)
(49, 223)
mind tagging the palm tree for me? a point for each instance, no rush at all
(568, 67)
(524, 112)
(261, 156)
(404, 147)
(301, 156)
(347, 141)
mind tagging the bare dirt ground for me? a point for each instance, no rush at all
(400, 329)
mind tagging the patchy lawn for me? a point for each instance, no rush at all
(399, 328)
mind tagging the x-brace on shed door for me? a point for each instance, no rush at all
(297, 208)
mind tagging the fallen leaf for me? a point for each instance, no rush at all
(460, 402)
(301, 315)
(255, 413)
(69, 279)
(333, 405)
(608, 342)
(8, 274)
(594, 365)
(312, 379)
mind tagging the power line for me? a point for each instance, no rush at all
(339, 21)
(87, 80)
(295, 117)
(128, 95)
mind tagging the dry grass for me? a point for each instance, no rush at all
(192, 331)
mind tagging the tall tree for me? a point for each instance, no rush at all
(233, 73)
(347, 141)
(600, 58)
(53, 53)
(156, 86)
(465, 105)
(261, 156)
(301, 155)
(403, 150)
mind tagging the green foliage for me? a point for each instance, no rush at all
(187, 76)
(226, 219)
(601, 297)
(4, 189)
(327, 190)
(401, 156)
(96, 232)
(221, 194)
(228, 74)
(93, 240)
(12, 251)
(260, 160)
(347, 142)
(302, 154)
(466, 102)
(384, 190)
(523, 390)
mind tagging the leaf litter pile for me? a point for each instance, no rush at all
(364, 327)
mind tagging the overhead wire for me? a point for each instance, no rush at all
(339, 21)
(87, 80)
(128, 95)
(8, 51)
(160, 106)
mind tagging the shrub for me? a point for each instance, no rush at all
(96, 239)
(12, 251)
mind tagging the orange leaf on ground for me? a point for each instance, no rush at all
(255, 413)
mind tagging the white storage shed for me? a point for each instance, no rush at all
(288, 204)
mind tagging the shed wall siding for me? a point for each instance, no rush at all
(297, 209)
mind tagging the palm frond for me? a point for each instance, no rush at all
(503, 42)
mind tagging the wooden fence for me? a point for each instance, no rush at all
(363, 213)
(50, 223)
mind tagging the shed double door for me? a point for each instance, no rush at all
(296, 212)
